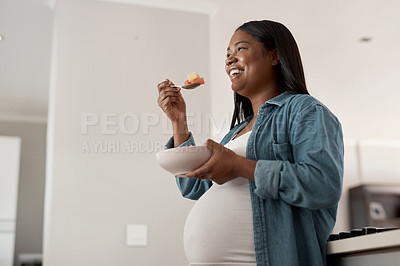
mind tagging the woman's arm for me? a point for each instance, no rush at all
(180, 131)
(170, 100)
(245, 167)
(313, 177)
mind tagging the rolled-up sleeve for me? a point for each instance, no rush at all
(312, 176)
(170, 143)
(267, 177)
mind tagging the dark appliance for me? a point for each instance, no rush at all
(375, 205)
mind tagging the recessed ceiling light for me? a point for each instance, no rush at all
(1, 38)
(365, 39)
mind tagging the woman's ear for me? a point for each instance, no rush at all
(274, 57)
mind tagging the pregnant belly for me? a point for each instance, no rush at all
(219, 228)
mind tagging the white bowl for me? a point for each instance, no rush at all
(182, 160)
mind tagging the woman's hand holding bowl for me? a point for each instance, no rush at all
(222, 167)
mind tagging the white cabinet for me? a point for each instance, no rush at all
(9, 173)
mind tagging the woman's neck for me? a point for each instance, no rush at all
(260, 99)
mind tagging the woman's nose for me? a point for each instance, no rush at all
(230, 60)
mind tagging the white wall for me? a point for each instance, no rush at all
(108, 59)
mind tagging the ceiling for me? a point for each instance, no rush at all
(25, 53)
(26, 28)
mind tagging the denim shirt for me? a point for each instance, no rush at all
(298, 145)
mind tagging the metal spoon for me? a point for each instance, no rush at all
(191, 86)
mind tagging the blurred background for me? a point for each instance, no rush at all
(80, 125)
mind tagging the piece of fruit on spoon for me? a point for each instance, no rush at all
(193, 81)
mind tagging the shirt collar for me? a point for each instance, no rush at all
(281, 99)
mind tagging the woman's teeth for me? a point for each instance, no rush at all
(235, 72)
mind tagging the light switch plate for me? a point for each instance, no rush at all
(136, 235)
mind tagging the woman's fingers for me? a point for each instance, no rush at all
(165, 94)
(168, 101)
(203, 171)
(219, 168)
(169, 97)
(213, 146)
(164, 84)
(167, 84)
(200, 173)
(167, 89)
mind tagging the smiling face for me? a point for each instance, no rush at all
(250, 66)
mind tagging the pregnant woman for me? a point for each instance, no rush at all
(268, 195)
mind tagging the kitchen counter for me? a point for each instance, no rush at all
(367, 250)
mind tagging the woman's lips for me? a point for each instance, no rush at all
(235, 72)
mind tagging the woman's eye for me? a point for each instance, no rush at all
(240, 48)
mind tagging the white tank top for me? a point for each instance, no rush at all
(219, 228)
